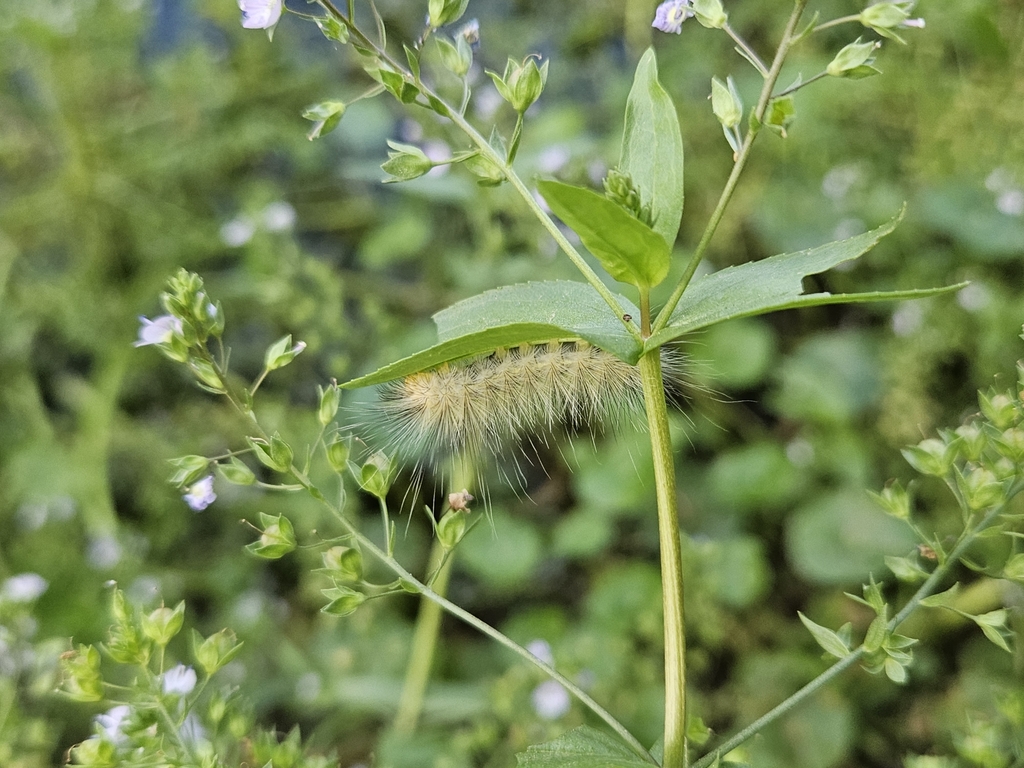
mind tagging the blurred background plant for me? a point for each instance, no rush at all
(137, 137)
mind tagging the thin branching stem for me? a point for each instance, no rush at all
(927, 588)
(748, 52)
(484, 148)
(788, 39)
(367, 545)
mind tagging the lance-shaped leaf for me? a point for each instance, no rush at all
(529, 313)
(777, 283)
(628, 249)
(652, 148)
(582, 747)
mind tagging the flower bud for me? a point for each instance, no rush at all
(332, 29)
(188, 469)
(82, 680)
(854, 61)
(338, 451)
(343, 601)
(376, 475)
(163, 623)
(930, 457)
(895, 500)
(343, 563)
(441, 12)
(405, 162)
(215, 651)
(1000, 409)
(487, 172)
(276, 454)
(451, 528)
(277, 538)
(1011, 444)
(457, 56)
(886, 17)
(781, 114)
(236, 472)
(980, 488)
(972, 440)
(325, 117)
(710, 13)
(282, 352)
(522, 84)
(329, 400)
(725, 102)
(207, 375)
(1014, 568)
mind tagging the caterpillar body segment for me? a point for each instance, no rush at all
(487, 405)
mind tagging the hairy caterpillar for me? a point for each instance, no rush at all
(486, 405)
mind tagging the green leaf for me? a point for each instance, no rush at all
(529, 313)
(942, 599)
(990, 623)
(826, 638)
(777, 283)
(582, 747)
(652, 148)
(627, 248)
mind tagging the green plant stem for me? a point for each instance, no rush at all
(671, 561)
(836, 22)
(424, 642)
(788, 39)
(476, 623)
(485, 149)
(798, 86)
(748, 52)
(926, 589)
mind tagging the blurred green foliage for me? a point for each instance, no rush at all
(136, 137)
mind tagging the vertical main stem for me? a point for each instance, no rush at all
(671, 561)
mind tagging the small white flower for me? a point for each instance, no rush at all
(160, 330)
(550, 700)
(237, 232)
(1010, 202)
(201, 494)
(112, 720)
(23, 588)
(671, 14)
(260, 14)
(541, 649)
(278, 216)
(103, 552)
(179, 680)
(919, 23)
(192, 731)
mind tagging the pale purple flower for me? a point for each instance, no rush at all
(260, 14)
(23, 588)
(671, 14)
(179, 680)
(550, 700)
(919, 23)
(201, 494)
(160, 330)
(111, 721)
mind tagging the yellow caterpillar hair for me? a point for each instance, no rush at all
(484, 406)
